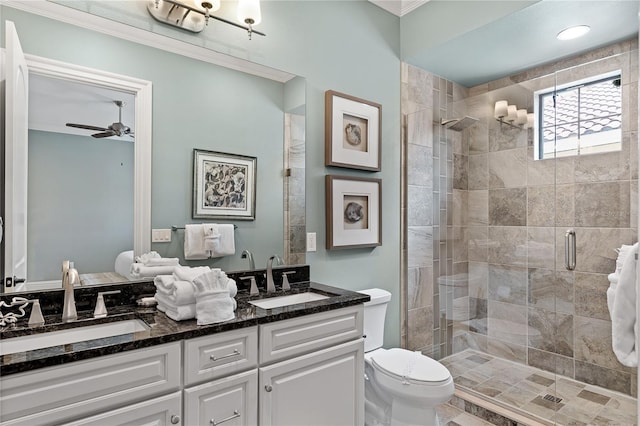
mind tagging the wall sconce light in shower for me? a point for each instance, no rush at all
(194, 15)
(511, 115)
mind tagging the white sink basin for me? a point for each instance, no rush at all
(292, 299)
(71, 335)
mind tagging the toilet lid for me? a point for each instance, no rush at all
(414, 366)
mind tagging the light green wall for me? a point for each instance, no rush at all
(348, 46)
(93, 193)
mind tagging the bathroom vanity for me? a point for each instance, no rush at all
(296, 364)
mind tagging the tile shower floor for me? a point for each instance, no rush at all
(520, 388)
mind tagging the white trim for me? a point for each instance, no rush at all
(127, 32)
(142, 90)
(399, 7)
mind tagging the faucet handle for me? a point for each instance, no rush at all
(285, 280)
(101, 310)
(254, 288)
(35, 319)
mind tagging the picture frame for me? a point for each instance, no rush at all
(353, 212)
(224, 185)
(352, 132)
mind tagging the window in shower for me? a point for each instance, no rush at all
(583, 117)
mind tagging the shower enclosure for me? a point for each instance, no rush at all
(511, 233)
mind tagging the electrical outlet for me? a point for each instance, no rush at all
(161, 235)
(311, 241)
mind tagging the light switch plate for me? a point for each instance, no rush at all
(161, 235)
(311, 241)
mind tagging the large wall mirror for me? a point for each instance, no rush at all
(89, 213)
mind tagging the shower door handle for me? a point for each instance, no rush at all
(570, 250)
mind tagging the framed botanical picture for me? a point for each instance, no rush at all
(352, 132)
(224, 186)
(354, 212)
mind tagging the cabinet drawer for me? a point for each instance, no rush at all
(61, 393)
(228, 401)
(218, 355)
(157, 412)
(285, 339)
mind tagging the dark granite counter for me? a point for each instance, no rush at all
(162, 329)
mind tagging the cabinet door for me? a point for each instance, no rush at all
(154, 412)
(232, 401)
(321, 388)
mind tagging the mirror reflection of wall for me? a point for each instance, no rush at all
(196, 105)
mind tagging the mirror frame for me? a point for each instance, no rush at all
(142, 90)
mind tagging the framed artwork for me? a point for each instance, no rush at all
(224, 186)
(354, 212)
(352, 132)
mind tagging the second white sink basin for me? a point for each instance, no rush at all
(71, 335)
(292, 299)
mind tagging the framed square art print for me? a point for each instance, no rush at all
(224, 186)
(352, 132)
(354, 212)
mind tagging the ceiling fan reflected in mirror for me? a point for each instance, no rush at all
(114, 129)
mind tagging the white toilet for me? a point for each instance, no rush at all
(401, 387)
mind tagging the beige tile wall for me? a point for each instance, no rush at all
(479, 204)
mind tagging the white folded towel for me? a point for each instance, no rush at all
(187, 273)
(184, 293)
(176, 313)
(213, 303)
(224, 244)
(624, 325)
(138, 270)
(165, 282)
(194, 242)
(123, 263)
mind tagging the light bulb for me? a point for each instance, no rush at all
(249, 12)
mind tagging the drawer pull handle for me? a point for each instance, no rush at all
(175, 420)
(235, 353)
(236, 414)
(268, 388)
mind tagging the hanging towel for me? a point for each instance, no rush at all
(176, 313)
(187, 273)
(213, 303)
(211, 237)
(138, 270)
(194, 242)
(224, 244)
(624, 327)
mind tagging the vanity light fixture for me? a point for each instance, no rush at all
(511, 115)
(194, 15)
(573, 32)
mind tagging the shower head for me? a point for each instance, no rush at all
(458, 124)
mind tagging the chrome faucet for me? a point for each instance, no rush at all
(246, 254)
(70, 277)
(271, 288)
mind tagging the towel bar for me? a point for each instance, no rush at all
(175, 228)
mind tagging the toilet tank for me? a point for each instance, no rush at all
(374, 313)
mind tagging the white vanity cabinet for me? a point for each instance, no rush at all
(72, 391)
(221, 379)
(312, 370)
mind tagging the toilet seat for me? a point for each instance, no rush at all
(412, 367)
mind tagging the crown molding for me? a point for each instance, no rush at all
(399, 7)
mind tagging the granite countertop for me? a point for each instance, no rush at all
(164, 330)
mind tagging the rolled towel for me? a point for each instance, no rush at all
(145, 257)
(213, 303)
(233, 288)
(163, 261)
(138, 270)
(165, 282)
(123, 263)
(187, 273)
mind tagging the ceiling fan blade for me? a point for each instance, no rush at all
(104, 134)
(87, 127)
